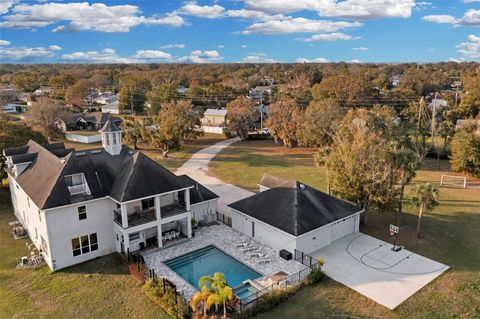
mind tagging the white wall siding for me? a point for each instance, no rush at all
(213, 129)
(264, 233)
(29, 216)
(203, 210)
(64, 224)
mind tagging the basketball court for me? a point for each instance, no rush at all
(372, 268)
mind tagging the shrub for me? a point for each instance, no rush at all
(314, 276)
(166, 298)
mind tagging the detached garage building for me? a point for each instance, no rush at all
(290, 215)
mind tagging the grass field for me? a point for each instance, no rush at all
(450, 234)
(174, 160)
(100, 288)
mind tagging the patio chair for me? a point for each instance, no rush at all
(177, 234)
(263, 261)
(255, 254)
(241, 244)
(249, 248)
(164, 238)
(168, 236)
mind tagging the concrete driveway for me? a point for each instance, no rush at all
(197, 167)
(369, 266)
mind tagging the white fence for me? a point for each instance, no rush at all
(213, 129)
(83, 138)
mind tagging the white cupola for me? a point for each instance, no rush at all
(111, 138)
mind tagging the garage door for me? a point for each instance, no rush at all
(343, 227)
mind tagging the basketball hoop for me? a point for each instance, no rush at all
(392, 232)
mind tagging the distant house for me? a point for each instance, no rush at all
(462, 122)
(214, 120)
(43, 91)
(15, 108)
(112, 108)
(106, 98)
(395, 80)
(259, 92)
(290, 215)
(83, 127)
(182, 89)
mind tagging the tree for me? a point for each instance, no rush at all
(133, 131)
(465, 150)
(133, 91)
(200, 298)
(175, 122)
(26, 82)
(42, 115)
(470, 96)
(360, 165)
(160, 94)
(425, 197)
(320, 158)
(220, 292)
(407, 162)
(284, 121)
(60, 84)
(240, 116)
(76, 95)
(14, 134)
(446, 129)
(319, 122)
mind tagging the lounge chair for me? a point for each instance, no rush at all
(241, 244)
(263, 261)
(249, 248)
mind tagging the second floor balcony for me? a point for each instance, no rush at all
(135, 218)
(171, 210)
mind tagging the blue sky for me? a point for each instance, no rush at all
(239, 31)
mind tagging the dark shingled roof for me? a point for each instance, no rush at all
(93, 117)
(295, 208)
(23, 158)
(198, 193)
(127, 176)
(109, 126)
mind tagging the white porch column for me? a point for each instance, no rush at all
(159, 236)
(189, 225)
(187, 199)
(157, 208)
(123, 209)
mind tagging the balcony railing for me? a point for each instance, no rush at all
(137, 218)
(79, 189)
(170, 210)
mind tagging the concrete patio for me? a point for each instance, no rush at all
(224, 238)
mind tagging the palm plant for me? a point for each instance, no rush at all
(407, 162)
(425, 197)
(225, 295)
(219, 291)
(200, 297)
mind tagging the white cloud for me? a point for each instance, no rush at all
(4, 42)
(84, 16)
(198, 56)
(317, 60)
(353, 9)
(5, 5)
(470, 18)
(26, 54)
(152, 54)
(258, 58)
(354, 61)
(470, 1)
(210, 12)
(440, 18)
(470, 48)
(456, 60)
(173, 46)
(361, 49)
(327, 37)
(298, 25)
(220, 46)
(252, 15)
(243, 46)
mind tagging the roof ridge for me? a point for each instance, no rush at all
(130, 173)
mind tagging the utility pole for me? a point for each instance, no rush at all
(261, 112)
(131, 99)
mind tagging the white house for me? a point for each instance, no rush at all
(112, 108)
(79, 205)
(290, 215)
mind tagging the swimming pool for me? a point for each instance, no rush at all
(207, 261)
(246, 292)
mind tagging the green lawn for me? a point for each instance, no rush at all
(174, 160)
(100, 288)
(450, 235)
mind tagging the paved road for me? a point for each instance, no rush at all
(197, 167)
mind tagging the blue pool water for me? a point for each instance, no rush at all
(207, 261)
(245, 292)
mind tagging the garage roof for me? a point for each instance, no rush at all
(295, 208)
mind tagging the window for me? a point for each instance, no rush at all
(44, 245)
(36, 233)
(253, 229)
(114, 135)
(84, 244)
(134, 236)
(28, 201)
(82, 212)
(148, 203)
(39, 215)
(107, 138)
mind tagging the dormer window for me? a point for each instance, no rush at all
(77, 184)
